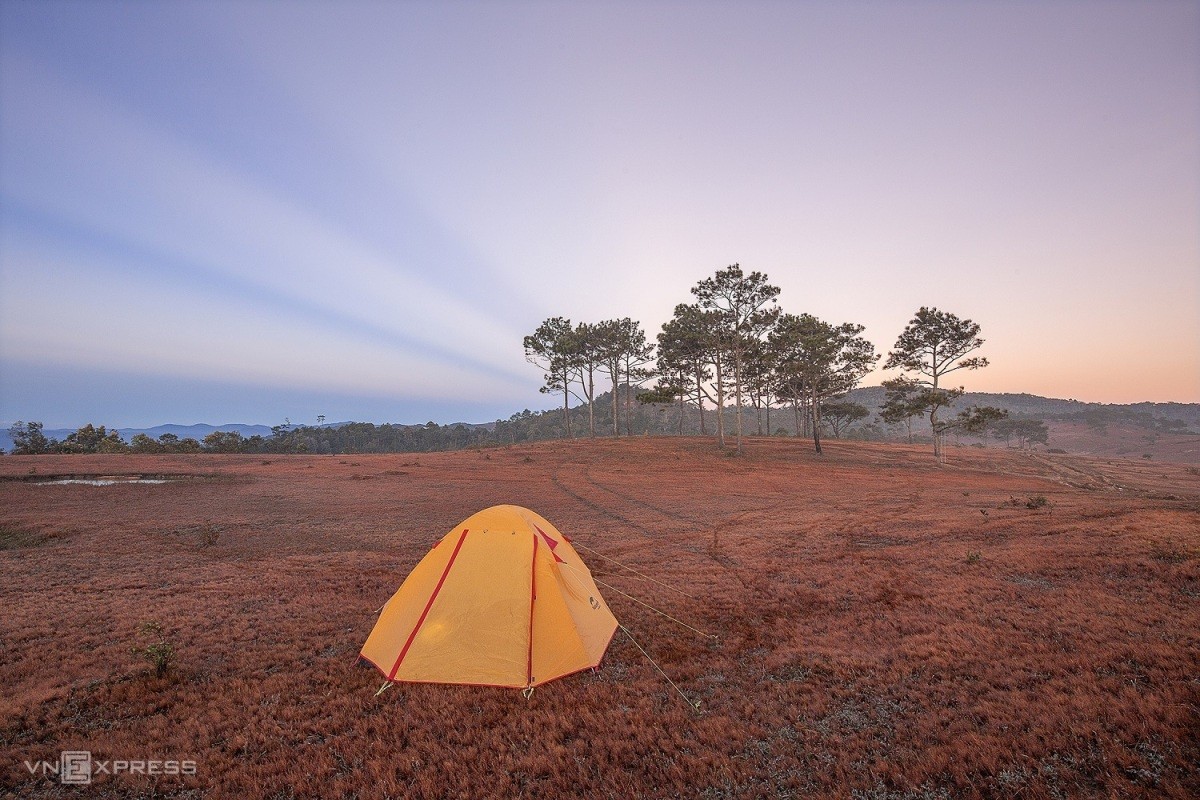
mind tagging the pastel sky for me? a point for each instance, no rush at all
(245, 211)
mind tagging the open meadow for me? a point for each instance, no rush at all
(1009, 625)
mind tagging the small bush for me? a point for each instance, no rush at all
(1037, 501)
(974, 556)
(209, 536)
(1056, 450)
(160, 653)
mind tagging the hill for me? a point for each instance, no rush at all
(1032, 405)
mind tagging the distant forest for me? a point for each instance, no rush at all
(731, 364)
(650, 419)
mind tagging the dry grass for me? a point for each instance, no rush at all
(885, 629)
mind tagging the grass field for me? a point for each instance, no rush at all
(1005, 626)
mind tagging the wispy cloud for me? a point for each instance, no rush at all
(114, 173)
(402, 191)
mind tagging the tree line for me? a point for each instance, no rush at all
(356, 437)
(841, 419)
(734, 345)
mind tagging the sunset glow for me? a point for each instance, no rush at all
(245, 211)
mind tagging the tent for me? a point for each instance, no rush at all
(502, 600)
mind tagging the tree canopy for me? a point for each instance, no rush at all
(744, 306)
(934, 344)
(820, 361)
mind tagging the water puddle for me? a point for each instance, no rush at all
(91, 479)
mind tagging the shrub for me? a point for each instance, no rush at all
(1037, 501)
(209, 535)
(160, 653)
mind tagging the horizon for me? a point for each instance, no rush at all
(61, 426)
(237, 211)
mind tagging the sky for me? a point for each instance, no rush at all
(245, 211)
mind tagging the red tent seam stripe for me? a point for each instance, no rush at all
(532, 597)
(392, 675)
(553, 544)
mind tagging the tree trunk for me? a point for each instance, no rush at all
(626, 399)
(567, 406)
(816, 421)
(629, 404)
(616, 421)
(933, 421)
(796, 410)
(720, 404)
(937, 436)
(700, 401)
(682, 392)
(768, 416)
(591, 396)
(737, 391)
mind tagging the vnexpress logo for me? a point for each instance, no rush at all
(72, 767)
(75, 766)
(78, 767)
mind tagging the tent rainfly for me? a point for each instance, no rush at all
(502, 600)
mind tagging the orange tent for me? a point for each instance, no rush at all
(502, 600)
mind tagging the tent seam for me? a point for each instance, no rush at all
(421, 621)
(532, 599)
